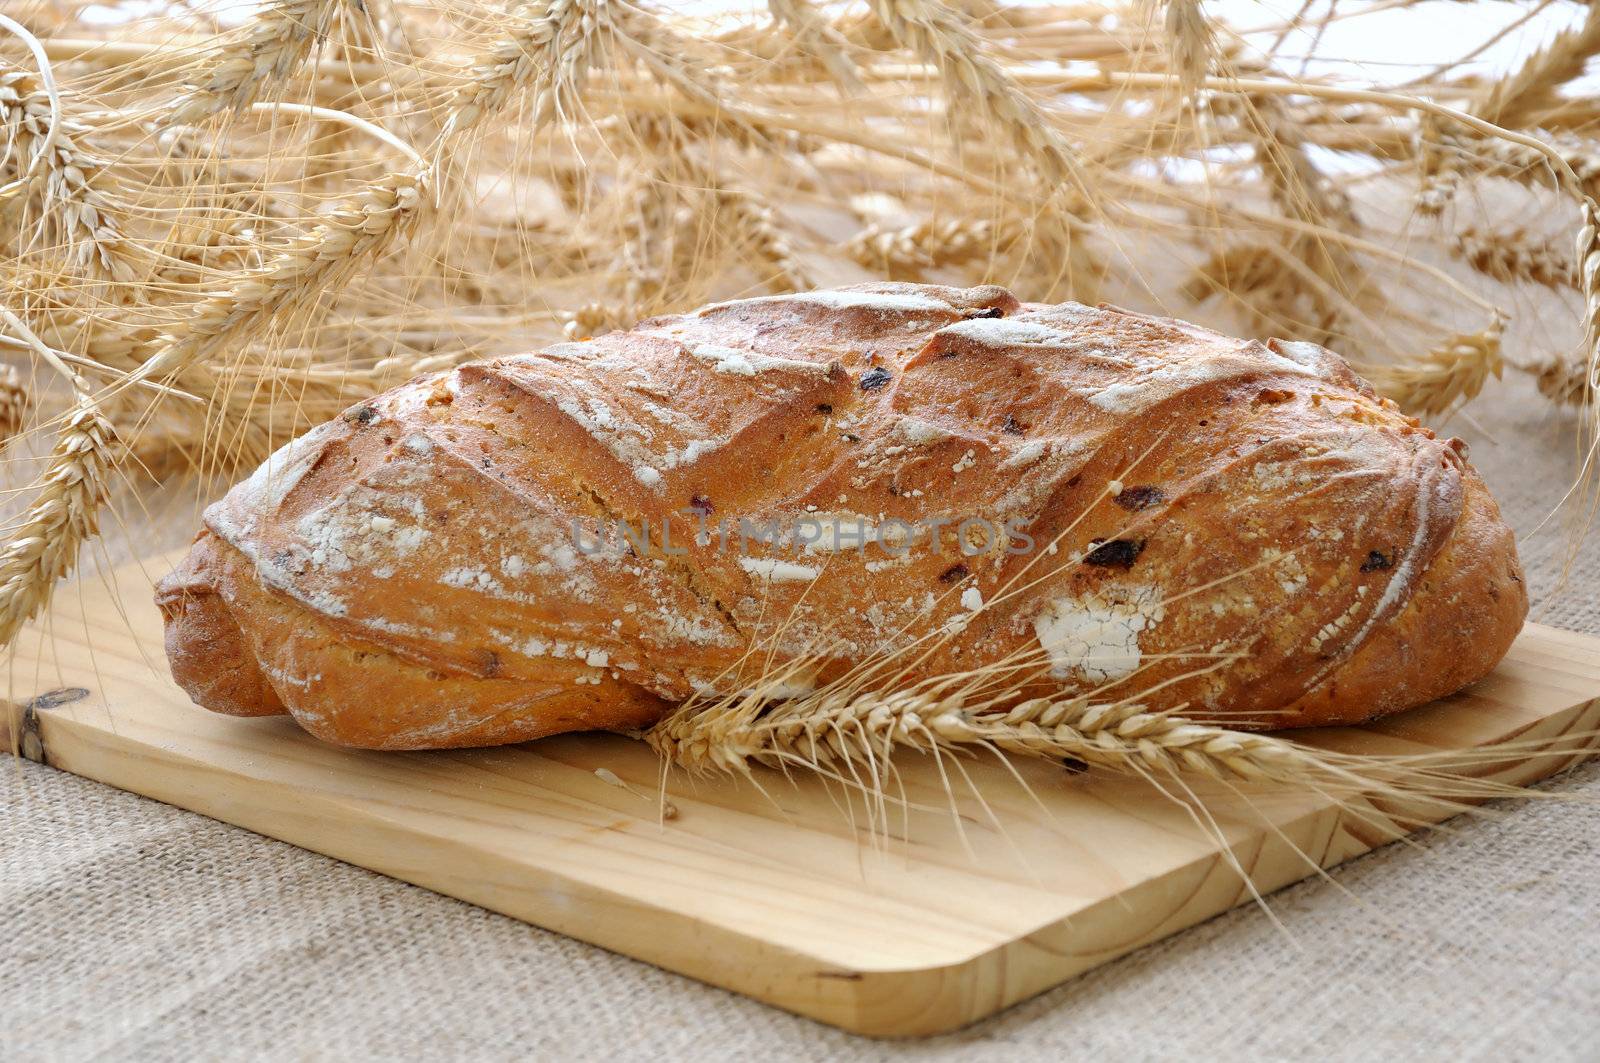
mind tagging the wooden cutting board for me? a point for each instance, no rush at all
(918, 925)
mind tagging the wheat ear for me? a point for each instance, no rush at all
(590, 320)
(1440, 152)
(276, 41)
(16, 403)
(1512, 256)
(1454, 371)
(646, 255)
(752, 215)
(44, 548)
(817, 38)
(1563, 381)
(976, 82)
(1297, 186)
(546, 54)
(295, 276)
(928, 244)
(1232, 272)
(1588, 259)
(1517, 162)
(1192, 41)
(71, 177)
(1515, 99)
(670, 59)
(853, 732)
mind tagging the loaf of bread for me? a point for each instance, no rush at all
(890, 482)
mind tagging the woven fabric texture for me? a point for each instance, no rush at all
(137, 931)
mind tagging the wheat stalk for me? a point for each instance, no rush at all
(1518, 162)
(277, 40)
(1453, 371)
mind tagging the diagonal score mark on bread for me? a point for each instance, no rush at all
(1236, 531)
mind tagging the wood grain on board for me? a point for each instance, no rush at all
(790, 892)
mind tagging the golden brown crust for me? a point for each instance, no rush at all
(1454, 630)
(204, 644)
(1242, 530)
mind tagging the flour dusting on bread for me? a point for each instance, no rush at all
(1096, 637)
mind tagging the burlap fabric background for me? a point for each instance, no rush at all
(133, 930)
